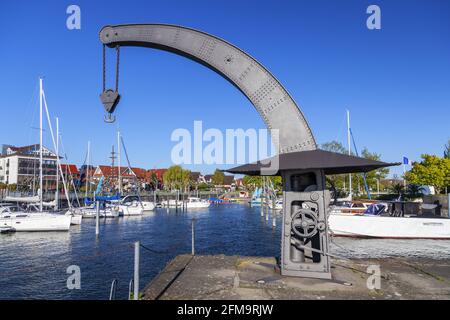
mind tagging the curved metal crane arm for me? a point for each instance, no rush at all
(276, 107)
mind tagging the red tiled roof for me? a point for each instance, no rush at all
(69, 168)
(108, 171)
(140, 173)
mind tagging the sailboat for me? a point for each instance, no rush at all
(40, 220)
(256, 197)
(131, 205)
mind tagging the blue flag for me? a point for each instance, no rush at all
(406, 160)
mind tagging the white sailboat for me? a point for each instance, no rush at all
(35, 221)
(131, 204)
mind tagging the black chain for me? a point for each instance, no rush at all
(104, 68)
(117, 67)
(153, 250)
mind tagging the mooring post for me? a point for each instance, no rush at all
(136, 271)
(183, 202)
(193, 236)
(262, 205)
(97, 218)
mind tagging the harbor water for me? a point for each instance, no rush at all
(34, 265)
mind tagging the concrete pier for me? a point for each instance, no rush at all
(234, 277)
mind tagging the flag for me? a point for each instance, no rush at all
(406, 161)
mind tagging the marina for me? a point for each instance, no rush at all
(131, 173)
(37, 267)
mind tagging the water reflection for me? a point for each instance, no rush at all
(33, 265)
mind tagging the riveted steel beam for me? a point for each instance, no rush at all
(270, 98)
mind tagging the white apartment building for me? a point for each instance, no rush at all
(20, 165)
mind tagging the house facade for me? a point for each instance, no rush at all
(20, 166)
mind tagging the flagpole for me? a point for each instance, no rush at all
(404, 172)
(349, 153)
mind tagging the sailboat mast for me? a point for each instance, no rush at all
(57, 164)
(349, 153)
(40, 146)
(87, 167)
(118, 164)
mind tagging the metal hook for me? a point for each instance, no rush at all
(109, 118)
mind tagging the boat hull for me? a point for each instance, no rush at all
(389, 227)
(41, 222)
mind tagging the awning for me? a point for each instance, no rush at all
(330, 162)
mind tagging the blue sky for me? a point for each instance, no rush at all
(395, 81)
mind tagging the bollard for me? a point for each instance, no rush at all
(274, 220)
(136, 271)
(193, 237)
(97, 219)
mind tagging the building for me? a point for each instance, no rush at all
(70, 172)
(155, 173)
(20, 166)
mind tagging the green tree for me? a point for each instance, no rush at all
(373, 176)
(154, 180)
(447, 150)
(218, 178)
(398, 188)
(432, 171)
(176, 178)
(251, 182)
(337, 180)
(341, 180)
(334, 146)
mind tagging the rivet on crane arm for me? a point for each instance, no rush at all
(109, 97)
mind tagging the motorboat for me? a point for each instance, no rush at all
(195, 203)
(373, 224)
(105, 211)
(350, 207)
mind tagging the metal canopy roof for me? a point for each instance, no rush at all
(330, 162)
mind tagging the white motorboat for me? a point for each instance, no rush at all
(26, 221)
(350, 207)
(91, 212)
(195, 203)
(375, 226)
(190, 203)
(171, 203)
